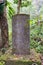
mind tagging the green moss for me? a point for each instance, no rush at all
(2, 63)
(12, 62)
(22, 63)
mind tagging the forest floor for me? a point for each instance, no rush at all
(30, 59)
(33, 56)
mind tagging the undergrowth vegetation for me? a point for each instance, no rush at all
(36, 37)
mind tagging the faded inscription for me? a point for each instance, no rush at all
(21, 34)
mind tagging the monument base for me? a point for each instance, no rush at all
(32, 59)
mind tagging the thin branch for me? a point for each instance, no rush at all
(18, 8)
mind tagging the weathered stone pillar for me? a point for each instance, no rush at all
(3, 25)
(21, 34)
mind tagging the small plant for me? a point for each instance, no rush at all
(2, 63)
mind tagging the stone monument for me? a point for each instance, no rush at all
(21, 34)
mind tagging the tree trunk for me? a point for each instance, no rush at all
(4, 28)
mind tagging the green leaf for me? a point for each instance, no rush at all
(15, 1)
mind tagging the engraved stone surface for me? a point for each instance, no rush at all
(21, 34)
